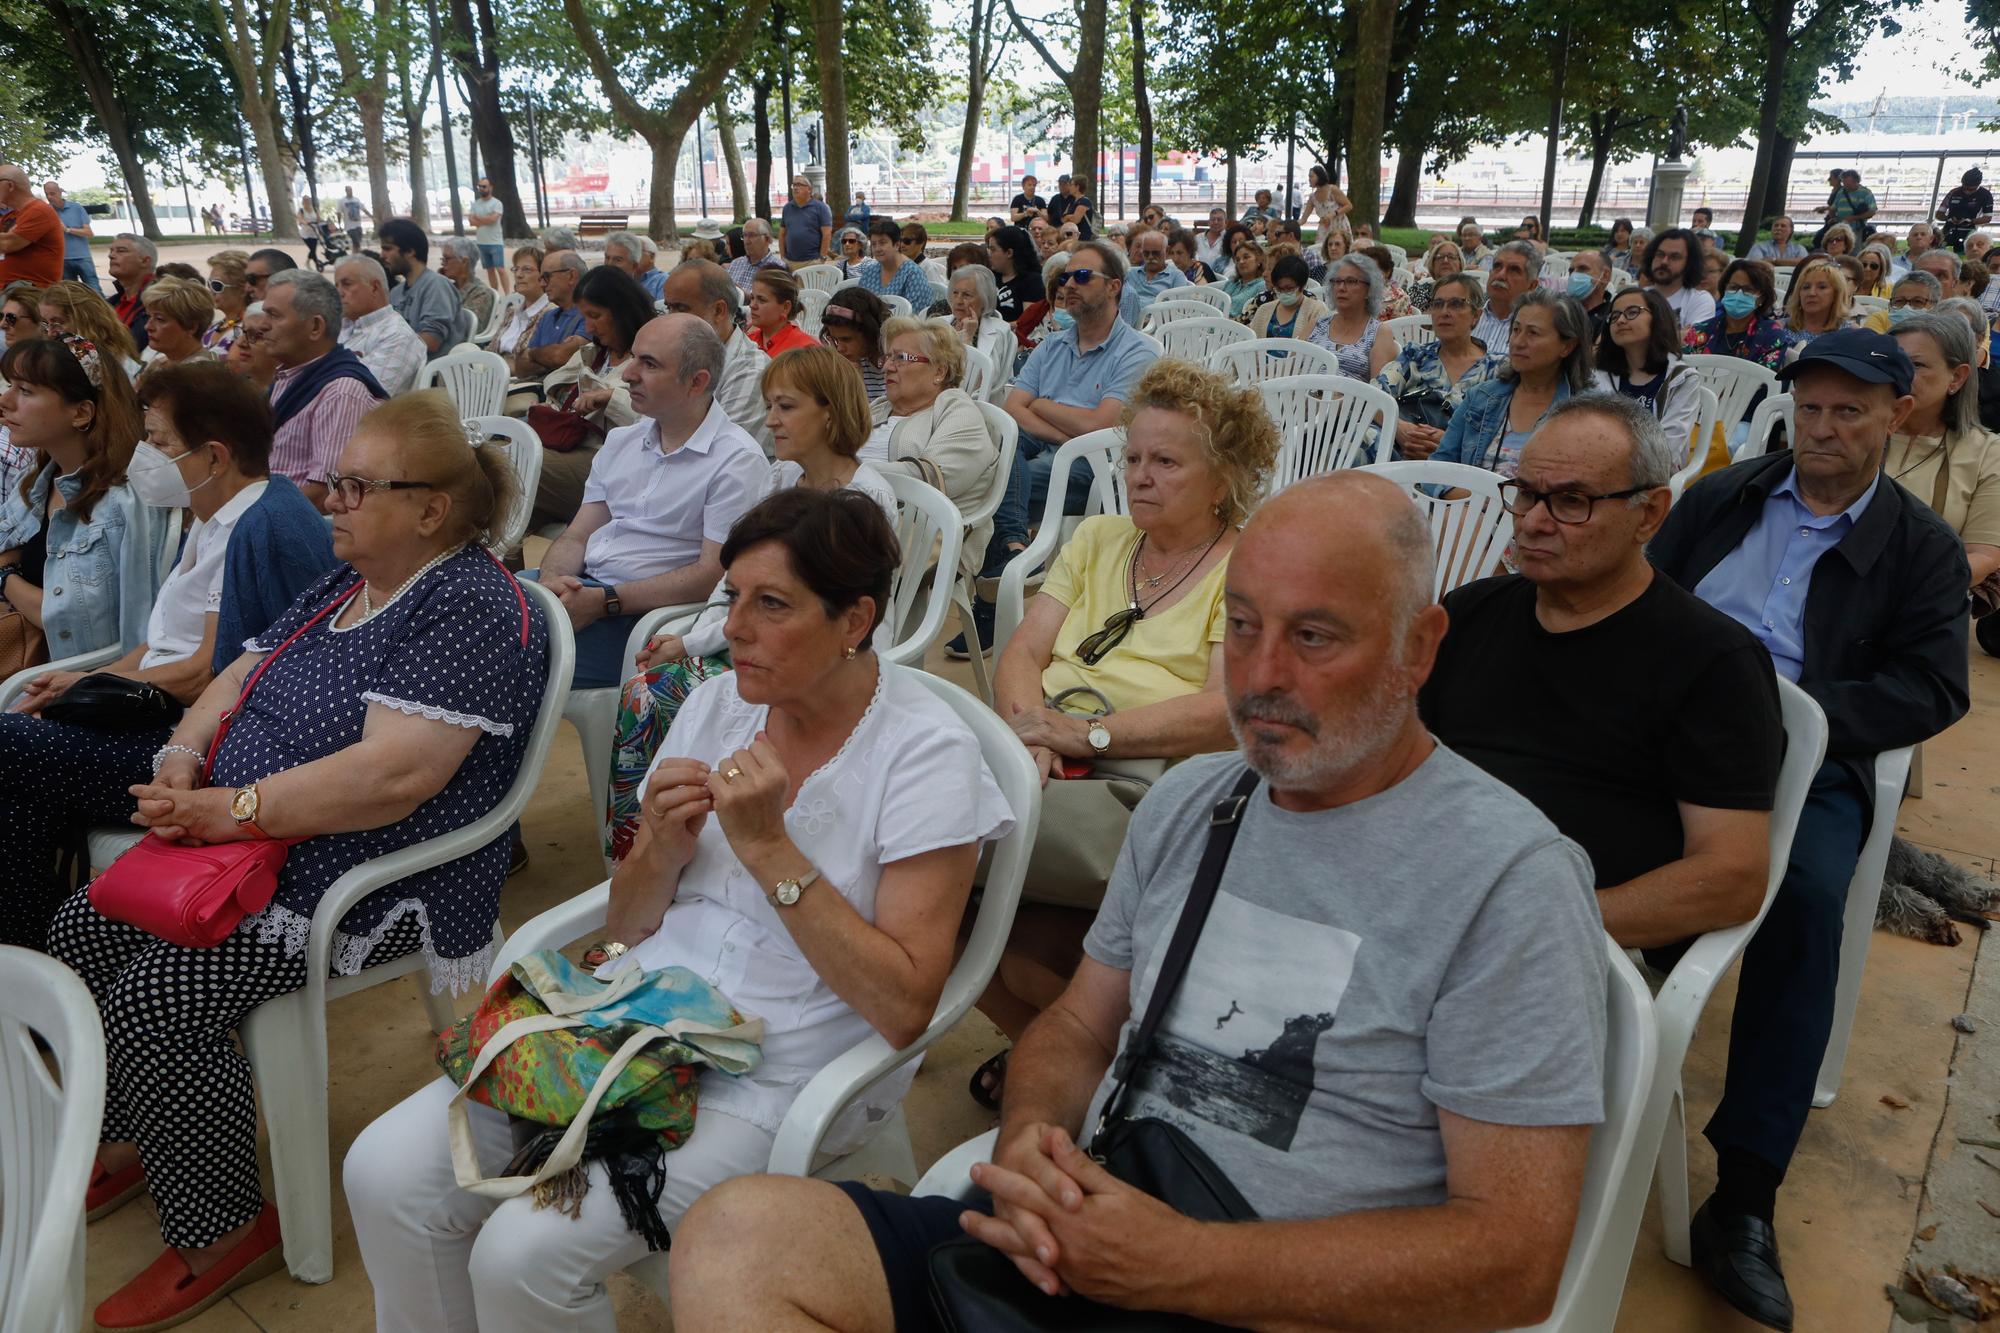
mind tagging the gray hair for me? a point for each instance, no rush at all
(1641, 235)
(1052, 268)
(572, 261)
(462, 249)
(1370, 272)
(1528, 253)
(1570, 322)
(1654, 458)
(701, 349)
(1465, 278)
(757, 227)
(1944, 256)
(558, 238)
(716, 284)
(983, 286)
(370, 269)
(141, 244)
(1112, 263)
(1927, 281)
(1973, 313)
(1954, 339)
(627, 241)
(313, 296)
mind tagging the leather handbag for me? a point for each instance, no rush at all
(196, 896)
(21, 642)
(977, 1289)
(115, 703)
(559, 428)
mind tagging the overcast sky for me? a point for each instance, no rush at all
(1935, 41)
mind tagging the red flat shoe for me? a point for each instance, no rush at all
(109, 1191)
(168, 1293)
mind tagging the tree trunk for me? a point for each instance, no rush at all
(1371, 89)
(828, 30)
(368, 91)
(760, 135)
(1142, 103)
(413, 128)
(1777, 52)
(732, 157)
(1086, 95)
(81, 43)
(978, 42)
(253, 63)
(477, 55)
(1778, 188)
(1229, 190)
(1601, 126)
(1402, 209)
(301, 101)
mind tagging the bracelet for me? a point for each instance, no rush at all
(160, 755)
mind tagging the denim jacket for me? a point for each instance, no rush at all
(1480, 420)
(101, 577)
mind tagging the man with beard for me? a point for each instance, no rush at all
(1673, 265)
(1390, 1042)
(427, 300)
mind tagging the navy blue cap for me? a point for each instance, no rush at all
(1862, 353)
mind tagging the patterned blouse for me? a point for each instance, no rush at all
(1421, 369)
(1766, 341)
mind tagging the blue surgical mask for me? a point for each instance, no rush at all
(1739, 305)
(1580, 285)
(1899, 313)
(1062, 319)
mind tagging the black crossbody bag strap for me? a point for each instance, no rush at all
(1223, 822)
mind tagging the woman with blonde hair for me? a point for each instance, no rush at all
(394, 702)
(178, 313)
(1878, 266)
(1839, 240)
(226, 289)
(71, 307)
(1119, 655)
(932, 429)
(817, 414)
(1819, 301)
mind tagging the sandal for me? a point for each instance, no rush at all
(109, 1191)
(989, 1081)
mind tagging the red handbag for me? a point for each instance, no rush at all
(191, 894)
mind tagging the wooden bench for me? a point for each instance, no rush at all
(602, 224)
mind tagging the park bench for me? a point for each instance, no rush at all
(602, 223)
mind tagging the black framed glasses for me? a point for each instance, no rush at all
(1098, 646)
(1564, 506)
(353, 490)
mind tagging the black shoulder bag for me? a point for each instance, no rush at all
(977, 1289)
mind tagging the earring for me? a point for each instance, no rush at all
(849, 654)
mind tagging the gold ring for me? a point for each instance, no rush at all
(731, 774)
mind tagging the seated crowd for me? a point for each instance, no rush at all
(1215, 687)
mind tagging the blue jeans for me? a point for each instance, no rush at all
(83, 271)
(1784, 999)
(1027, 493)
(600, 646)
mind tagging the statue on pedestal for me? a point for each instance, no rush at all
(1677, 132)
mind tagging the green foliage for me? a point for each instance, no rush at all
(24, 139)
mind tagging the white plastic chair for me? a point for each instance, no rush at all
(1775, 412)
(979, 376)
(1196, 291)
(476, 380)
(1868, 305)
(1593, 1276)
(812, 305)
(1468, 532)
(888, 1151)
(1410, 330)
(1684, 993)
(1006, 436)
(285, 1038)
(933, 271)
(1864, 892)
(48, 1139)
(1254, 360)
(929, 532)
(1170, 308)
(524, 452)
(1198, 339)
(898, 305)
(819, 277)
(1325, 422)
(1398, 253)
(1103, 452)
(1734, 382)
(1698, 444)
(503, 310)
(1555, 266)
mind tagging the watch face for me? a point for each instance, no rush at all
(1100, 737)
(243, 805)
(788, 891)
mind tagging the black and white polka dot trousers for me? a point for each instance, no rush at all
(56, 782)
(179, 1087)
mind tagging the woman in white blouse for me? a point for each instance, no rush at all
(534, 302)
(810, 833)
(975, 313)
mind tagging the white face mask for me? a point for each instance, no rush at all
(157, 480)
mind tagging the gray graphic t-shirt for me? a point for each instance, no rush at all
(1436, 945)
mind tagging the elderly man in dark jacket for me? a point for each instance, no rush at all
(1858, 591)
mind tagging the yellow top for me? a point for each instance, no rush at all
(1163, 656)
(1972, 494)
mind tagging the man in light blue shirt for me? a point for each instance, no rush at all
(78, 266)
(1153, 277)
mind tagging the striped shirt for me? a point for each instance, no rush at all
(308, 446)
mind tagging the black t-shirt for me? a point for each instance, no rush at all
(1059, 207)
(1022, 201)
(1082, 207)
(1989, 395)
(1023, 289)
(1606, 728)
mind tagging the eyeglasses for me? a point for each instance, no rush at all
(1080, 276)
(1628, 312)
(1349, 282)
(353, 490)
(1564, 506)
(1452, 303)
(9, 319)
(1095, 648)
(255, 279)
(1745, 288)
(1909, 302)
(908, 358)
(217, 285)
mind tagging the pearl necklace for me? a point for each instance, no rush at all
(368, 607)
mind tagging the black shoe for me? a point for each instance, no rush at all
(517, 857)
(982, 620)
(1987, 630)
(1739, 1257)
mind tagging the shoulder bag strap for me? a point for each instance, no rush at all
(222, 727)
(1223, 822)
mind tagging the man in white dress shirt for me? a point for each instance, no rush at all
(705, 290)
(662, 495)
(383, 339)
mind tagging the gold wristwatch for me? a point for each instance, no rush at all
(787, 891)
(243, 809)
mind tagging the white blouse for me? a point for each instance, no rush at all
(910, 779)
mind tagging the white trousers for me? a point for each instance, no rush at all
(441, 1258)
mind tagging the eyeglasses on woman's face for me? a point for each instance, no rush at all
(1629, 312)
(351, 491)
(1452, 303)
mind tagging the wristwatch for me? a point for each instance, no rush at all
(612, 606)
(787, 891)
(243, 809)
(1099, 737)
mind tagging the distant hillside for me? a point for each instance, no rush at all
(1913, 115)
